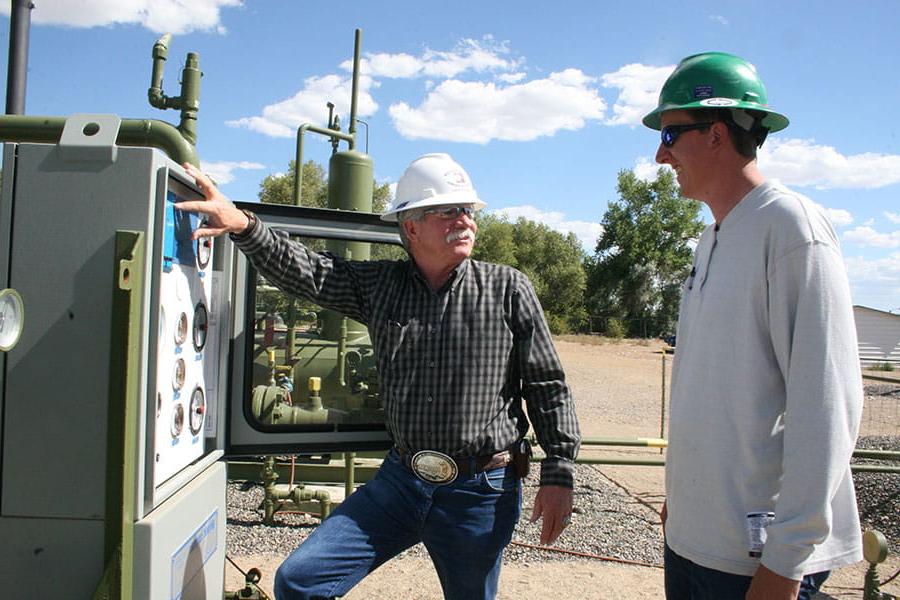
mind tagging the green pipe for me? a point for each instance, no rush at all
(150, 133)
(189, 100)
(355, 87)
(350, 468)
(298, 161)
(877, 454)
(636, 442)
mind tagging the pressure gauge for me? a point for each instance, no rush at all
(177, 424)
(178, 374)
(181, 329)
(201, 321)
(204, 250)
(12, 318)
(197, 408)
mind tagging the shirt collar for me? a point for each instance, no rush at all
(456, 276)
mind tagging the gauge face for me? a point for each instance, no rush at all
(204, 251)
(201, 320)
(181, 329)
(178, 374)
(197, 409)
(177, 420)
(12, 318)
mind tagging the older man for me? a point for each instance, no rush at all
(766, 387)
(459, 344)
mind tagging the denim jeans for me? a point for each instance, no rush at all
(686, 580)
(464, 525)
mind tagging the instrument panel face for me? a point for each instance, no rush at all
(185, 356)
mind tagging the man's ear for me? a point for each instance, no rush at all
(411, 228)
(718, 134)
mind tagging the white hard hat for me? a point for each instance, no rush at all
(432, 180)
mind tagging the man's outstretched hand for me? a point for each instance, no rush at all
(220, 215)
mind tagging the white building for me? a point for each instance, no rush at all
(878, 333)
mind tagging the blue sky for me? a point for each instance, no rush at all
(540, 102)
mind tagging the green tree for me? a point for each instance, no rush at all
(279, 189)
(643, 255)
(551, 260)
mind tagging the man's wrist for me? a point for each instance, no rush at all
(251, 224)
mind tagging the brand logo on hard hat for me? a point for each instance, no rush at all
(456, 178)
(718, 102)
(703, 91)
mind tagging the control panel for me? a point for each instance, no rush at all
(186, 344)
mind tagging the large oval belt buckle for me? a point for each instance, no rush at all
(434, 467)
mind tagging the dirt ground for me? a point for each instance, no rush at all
(617, 387)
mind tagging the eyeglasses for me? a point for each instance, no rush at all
(450, 212)
(670, 133)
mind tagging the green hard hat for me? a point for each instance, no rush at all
(715, 80)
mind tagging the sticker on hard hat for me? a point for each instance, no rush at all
(718, 102)
(703, 91)
(457, 178)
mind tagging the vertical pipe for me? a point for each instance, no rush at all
(17, 69)
(662, 414)
(355, 88)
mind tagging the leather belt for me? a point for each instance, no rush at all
(438, 468)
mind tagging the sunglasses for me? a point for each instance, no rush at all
(450, 212)
(670, 133)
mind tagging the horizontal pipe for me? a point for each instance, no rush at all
(636, 442)
(150, 133)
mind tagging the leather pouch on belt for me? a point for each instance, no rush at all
(521, 458)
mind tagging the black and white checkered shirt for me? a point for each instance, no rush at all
(453, 363)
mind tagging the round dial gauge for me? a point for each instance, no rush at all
(178, 374)
(197, 409)
(12, 318)
(181, 329)
(204, 251)
(177, 420)
(201, 320)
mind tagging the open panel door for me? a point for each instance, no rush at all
(280, 344)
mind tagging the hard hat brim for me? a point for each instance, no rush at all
(773, 121)
(465, 197)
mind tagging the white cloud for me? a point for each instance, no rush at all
(647, 170)
(511, 77)
(876, 282)
(866, 236)
(639, 87)
(308, 106)
(463, 111)
(469, 55)
(719, 19)
(892, 217)
(805, 163)
(586, 232)
(160, 16)
(223, 172)
(838, 216)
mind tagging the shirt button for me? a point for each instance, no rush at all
(430, 398)
(431, 363)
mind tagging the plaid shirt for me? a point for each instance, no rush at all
(454, 363)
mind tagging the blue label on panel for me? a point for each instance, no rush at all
(178, 248)
(188, 560)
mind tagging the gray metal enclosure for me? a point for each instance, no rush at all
(60, 210)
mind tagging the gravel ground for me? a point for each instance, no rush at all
(607, 522)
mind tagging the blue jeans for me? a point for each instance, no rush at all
(686, 580)
(464, 525)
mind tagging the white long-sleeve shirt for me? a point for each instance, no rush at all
(766, 393)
